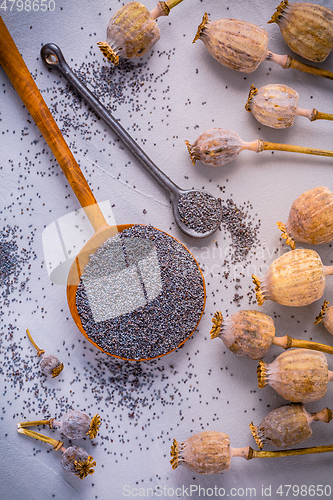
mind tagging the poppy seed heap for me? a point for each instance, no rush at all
(156, 294)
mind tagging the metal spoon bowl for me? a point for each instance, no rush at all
(202, 215)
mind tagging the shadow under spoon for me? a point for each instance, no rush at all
(197, 213)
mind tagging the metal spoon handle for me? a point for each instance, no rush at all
(53, 57)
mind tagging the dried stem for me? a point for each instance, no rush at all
(328, 270)
(37, 435)
(292, 63)
(288, 453)
(268, 146)
(307, 344)
(173, 3)
(163, 8)
(313, 114)
(322, 116)
(324, 415)
(287, 342)
(286, 62)
(39, 351)
(32, 423)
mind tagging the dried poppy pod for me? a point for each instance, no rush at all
(242, 46)
(276, 106)
(246, 333)
(235, 44)
(251, 333)
(49, 364)
(298, 375)
(306, 28)
(296, 278)
(288, 425)
(218, 146)
(310, 218)
(326, 316)
(74, 424)
(133, 30)
(74, 459)
(209, 452)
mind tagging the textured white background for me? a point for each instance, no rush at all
(201, 386)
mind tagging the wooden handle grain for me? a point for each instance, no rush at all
(20, 77)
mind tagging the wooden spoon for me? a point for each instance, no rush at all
(19, 75)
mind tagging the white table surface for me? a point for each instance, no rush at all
(182, 92)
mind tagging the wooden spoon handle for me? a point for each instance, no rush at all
(18, 73)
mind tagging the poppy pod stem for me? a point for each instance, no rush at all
(39, 351)
(37, 435)
(288, 453)
(328, 270)
(173, 3)
(321, 116)
(33, 423)
(286, 62)
(260, 145)
(163, 8)
(272, 146)
(288, 342)
(313, 114)
(324, 415)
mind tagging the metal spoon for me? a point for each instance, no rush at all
(207, 215)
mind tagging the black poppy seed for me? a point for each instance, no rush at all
(12, 261)
(241, 229)
(199, 211)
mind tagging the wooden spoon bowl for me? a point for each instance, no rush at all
(77, 270)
